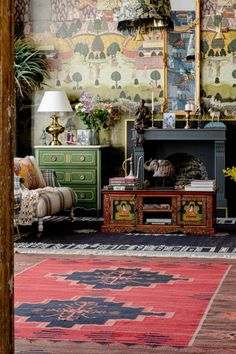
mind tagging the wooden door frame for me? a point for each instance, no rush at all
(6, 176)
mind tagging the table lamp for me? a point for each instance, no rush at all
(55, 101)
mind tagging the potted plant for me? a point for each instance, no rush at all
(30, 71)
(230, 172)
(30, 68)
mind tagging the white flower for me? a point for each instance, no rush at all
(78, 106)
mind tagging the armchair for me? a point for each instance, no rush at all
(40, 193)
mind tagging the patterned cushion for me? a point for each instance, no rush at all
(50, 178)
(28, 171)
(17, 193)
(42, 182)
(49, 203)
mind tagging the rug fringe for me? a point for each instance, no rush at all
(126, 253)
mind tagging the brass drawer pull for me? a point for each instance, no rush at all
(53, 158)
(82, 177)
(82, 195)
(82, 158)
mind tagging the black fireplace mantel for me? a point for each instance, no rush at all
(184, 134)
(207, 144)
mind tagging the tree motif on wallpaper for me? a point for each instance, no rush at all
(68, 30)
(116, 76)
(97, 26)
(77, 77)
(155, 76)
(113, 49)
(82, 48)
(97, 45)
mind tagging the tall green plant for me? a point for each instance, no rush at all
(30, 68)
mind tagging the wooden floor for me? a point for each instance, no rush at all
(217, 334)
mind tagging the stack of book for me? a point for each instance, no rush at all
(156, 206)
(162, 221)
(201, 185)
(122, 183)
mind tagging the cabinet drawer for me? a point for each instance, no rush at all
(65, 157)
(77, 176)
(86, 195)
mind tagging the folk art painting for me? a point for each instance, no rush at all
(87, 53)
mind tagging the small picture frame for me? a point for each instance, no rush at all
(71, 137)
(169, 121)
(83, 137)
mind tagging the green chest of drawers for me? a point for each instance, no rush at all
(79, 167)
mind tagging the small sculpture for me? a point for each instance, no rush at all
(214, 114)
(142, 121)
(162, 168)
(43, 137)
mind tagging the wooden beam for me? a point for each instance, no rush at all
(6, 176)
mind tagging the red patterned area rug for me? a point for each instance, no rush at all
(107, 301)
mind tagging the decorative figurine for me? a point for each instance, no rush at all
(162, 168)
(43, 137)
(142, 121)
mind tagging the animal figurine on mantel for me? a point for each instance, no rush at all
(214, 114)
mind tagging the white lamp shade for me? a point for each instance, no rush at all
(55, 101)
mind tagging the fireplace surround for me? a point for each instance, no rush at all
(207, 145)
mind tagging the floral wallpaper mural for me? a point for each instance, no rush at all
(87, 53)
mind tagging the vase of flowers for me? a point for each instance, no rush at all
(93, 114)
(94, 138)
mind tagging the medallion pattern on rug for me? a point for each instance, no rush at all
(110, 301)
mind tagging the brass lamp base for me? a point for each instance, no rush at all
(55, 129)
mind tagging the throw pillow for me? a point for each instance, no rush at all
(42, 182)
(27, 171)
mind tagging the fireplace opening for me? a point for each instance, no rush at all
(175, 170)
(207, 145)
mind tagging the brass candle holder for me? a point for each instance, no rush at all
(152, 126)
(188, 109)
(187, 115)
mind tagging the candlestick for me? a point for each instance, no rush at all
(187, 107)
(152, 101)
(187, 120)
(152, 127)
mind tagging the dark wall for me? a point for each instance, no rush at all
(230, 160)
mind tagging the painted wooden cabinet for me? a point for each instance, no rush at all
(159, 211)
(81, 167)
